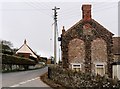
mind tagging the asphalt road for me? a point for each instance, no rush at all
(24, 78)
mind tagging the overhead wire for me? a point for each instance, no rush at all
(103, 5)
(94, 10)
(76, 14)
(72, 14)
(36, 7)
(69, 10)
(43, 4)
(105, 8)
(73, 11)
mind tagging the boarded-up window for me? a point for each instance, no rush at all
(76, 66)
(99, 50)
(100, 69)
(76, 51)
(114, 69)
(99, 55)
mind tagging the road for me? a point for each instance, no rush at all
(24, 79)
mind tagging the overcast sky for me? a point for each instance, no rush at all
(33, 20)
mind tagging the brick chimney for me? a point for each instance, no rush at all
(86, 12)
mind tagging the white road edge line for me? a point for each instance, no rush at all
(16, 85)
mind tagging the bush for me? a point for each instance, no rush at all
(68, 78)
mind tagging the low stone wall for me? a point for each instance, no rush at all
(69, 78)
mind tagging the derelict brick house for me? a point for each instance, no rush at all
(87, 46)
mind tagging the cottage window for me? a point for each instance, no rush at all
(76, 66)
(100, 69)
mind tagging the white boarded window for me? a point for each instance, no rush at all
(100, 69)
(76, 66)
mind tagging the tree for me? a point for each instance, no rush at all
(8, 43)
(15, 50)
(5, 47)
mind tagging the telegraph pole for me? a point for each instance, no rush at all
(55, 32)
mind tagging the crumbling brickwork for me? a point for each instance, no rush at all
(98, 50)
(98, 54)
(76, 52)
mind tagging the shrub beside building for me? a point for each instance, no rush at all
(73, 79)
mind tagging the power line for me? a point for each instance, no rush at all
(72, 10)
(22, 9)
(102, 9)
(69, 10)
(70, 14)
(43, 5)
(73, 14)
(36, 7)
(104, 5)
(34, 2)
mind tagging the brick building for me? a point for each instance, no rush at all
(87, 46)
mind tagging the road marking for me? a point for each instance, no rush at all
(16, 85)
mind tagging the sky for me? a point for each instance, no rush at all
(33, 20)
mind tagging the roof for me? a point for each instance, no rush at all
(116, 45)
(26, 49)
(94, 24)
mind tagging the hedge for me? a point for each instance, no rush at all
(11, 59)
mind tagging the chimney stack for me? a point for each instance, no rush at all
(86, 12)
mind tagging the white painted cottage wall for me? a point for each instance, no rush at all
(116, 71)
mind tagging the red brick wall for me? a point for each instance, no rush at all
(26, 55)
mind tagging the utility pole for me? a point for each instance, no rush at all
(59, 55)
(55, 30)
